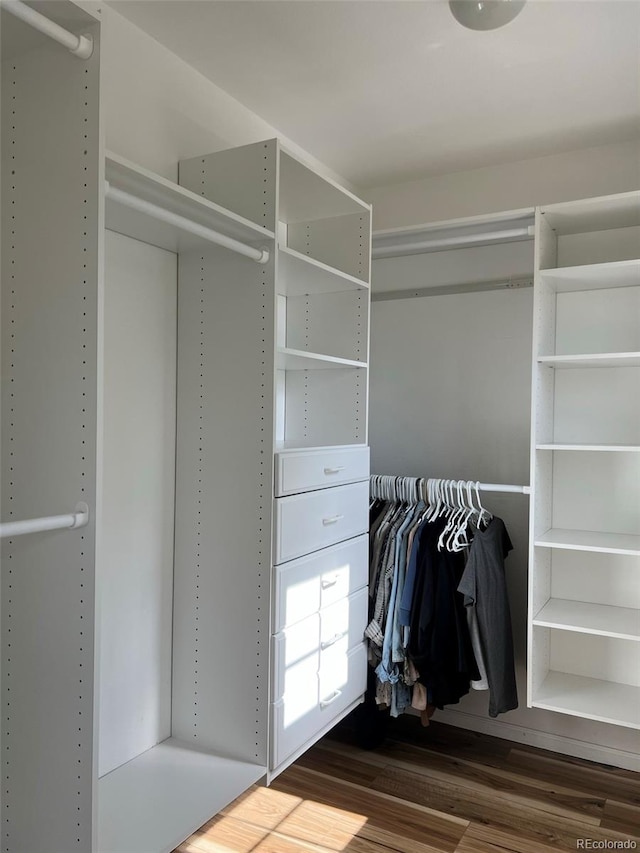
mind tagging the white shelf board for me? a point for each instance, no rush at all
(295, 359)
(583, 360)
(583, 617)
(595, 448)
(587, 540)
(153, 188)
(594, 214)
(156, 800)
(299, 275)
(592, 698)
(305, 195)
(593, 276)
(286, 446)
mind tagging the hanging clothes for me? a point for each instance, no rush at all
(439, 620)
(439, 640)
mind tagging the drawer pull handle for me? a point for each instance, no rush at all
(327, 643)
(327, 584)
(336, 470)
(337, 694)
(332, 520)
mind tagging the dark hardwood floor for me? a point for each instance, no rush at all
(429, 790)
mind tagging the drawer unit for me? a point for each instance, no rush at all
(301, 717)
(314, 520)
(306, 470)
(319, 644)
(308, 584)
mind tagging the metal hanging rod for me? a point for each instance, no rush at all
(261, 256)
(79, 518)
(80, 46)
(499, 487)
(412, 484)
(460, 241)
(450, 289)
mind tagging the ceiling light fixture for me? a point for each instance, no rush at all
(485, 14)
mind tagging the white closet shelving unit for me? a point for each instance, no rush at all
(141, 667)
(154, 799)
(584, 584)
(308, 317)
(321, 284)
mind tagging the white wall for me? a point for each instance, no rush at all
(559, 177)
(158, 109)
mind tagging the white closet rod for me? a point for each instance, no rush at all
(458, 241)
(499, 487)
(80, 46)
(484, 487)
(79, 518)
(261, 256)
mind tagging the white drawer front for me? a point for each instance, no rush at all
(304, 470)
(300, 718)
(308, 522)
(306, 585)
(318, 647)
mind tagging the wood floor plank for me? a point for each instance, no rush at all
(506, 814)
(265, 808)
(542, 794)
(404, 826)
(449, 740)
(486, 839)
(225, 835)
(344, 762)
(595, 779)
(228, 835)
(622, 817)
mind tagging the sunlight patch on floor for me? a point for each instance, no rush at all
(266, 821)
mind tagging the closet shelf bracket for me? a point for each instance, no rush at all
(261, 256)
(80, 46)
(79, 518)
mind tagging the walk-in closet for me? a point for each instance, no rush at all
(273, 373)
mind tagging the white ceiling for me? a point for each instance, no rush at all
(388, 90)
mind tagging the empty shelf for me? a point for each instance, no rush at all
(594, 214)
(306, 195)
(154, 801)
(594, 276)
(605, 359)
(293, 359)
(299, 274)
(593, 698)
(587, 540)
(596, 448)
(586, 618)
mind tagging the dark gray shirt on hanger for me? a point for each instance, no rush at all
(484, 587)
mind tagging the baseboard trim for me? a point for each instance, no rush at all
(542, 740)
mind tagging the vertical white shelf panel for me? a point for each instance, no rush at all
(223, 502)
(584, 579)
(51, 219)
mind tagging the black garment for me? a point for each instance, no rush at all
(439, 643)
(484, 587)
